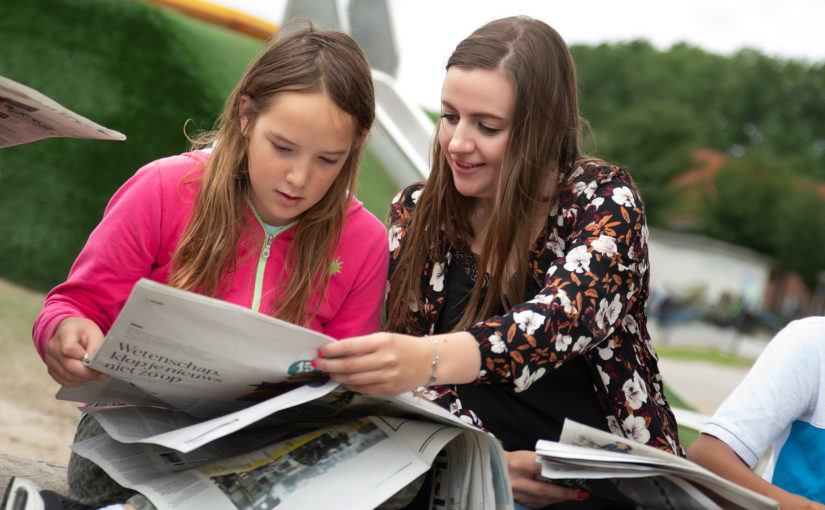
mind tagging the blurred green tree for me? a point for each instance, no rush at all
(761, 205)
(654, 142)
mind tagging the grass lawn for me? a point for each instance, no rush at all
(686, 435)
(711, 355)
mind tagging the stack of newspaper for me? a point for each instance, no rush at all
(637, 474)
(211, 405)
(26, 115)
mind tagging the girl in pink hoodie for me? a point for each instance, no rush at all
(265, 218)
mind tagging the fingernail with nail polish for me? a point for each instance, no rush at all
(582, 495)
(314, 363)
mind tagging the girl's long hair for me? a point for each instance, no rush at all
(541, 152)
(302, 60)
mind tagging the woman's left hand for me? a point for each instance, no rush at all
(381, 363)
(534, 493)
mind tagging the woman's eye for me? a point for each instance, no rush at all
(450, 117)
(487, 129)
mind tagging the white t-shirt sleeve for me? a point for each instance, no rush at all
(783, 385)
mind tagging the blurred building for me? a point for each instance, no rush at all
(688, 264)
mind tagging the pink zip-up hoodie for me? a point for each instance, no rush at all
(143, 223)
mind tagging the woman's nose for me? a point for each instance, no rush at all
(461, 141)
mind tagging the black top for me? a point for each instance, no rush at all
(518, 420)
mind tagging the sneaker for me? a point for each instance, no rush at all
(22, 494)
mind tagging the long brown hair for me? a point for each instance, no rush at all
(298, 60)
(543, 147)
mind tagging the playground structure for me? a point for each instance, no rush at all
(400, 137)
(218, 15)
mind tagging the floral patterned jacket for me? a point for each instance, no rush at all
(592, 258)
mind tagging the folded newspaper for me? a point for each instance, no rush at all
(26, 115)
(212, 405)
(637, 474)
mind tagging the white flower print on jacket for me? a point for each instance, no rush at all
(437, 279)
(634, 427)
(497, 344)
(578, 260)
(608, 313)
(559, 296)
(623, 196)
(414, 196)
(635, 391)
(555, 243)
(587, 188)
(395, 237)
(527, 378)
(606, 245)
(529, 321)
(563, 341)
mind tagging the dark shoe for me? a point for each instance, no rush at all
(54, 501)
(23, 494)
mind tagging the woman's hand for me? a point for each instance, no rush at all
(392, 363)
(534, 493)
(381, 363)
(74, 338)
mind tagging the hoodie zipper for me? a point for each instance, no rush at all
(265, 252)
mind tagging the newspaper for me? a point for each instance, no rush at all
(356, 464)
(634, 473)
(27, 115)
(211, 402)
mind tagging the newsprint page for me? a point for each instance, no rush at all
(26, 115)
(211, 405)
(631, 472)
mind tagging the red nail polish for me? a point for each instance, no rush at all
(320, 353)
(314, 363)
(582, 495)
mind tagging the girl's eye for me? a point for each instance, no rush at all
(487, 129)
(329, 161)
(281, 148)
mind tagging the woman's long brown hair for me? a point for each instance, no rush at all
(543, 148)
(302, 60)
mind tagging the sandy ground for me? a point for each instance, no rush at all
(33, 424)
(701, 384)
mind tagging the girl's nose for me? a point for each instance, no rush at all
(298, 173)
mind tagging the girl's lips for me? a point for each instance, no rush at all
(288, 200)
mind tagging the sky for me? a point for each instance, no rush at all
(426, 31)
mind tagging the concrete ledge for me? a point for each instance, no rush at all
(47, 475)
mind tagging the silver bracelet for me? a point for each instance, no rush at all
(435, 361)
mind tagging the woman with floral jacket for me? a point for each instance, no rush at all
(519, 270)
